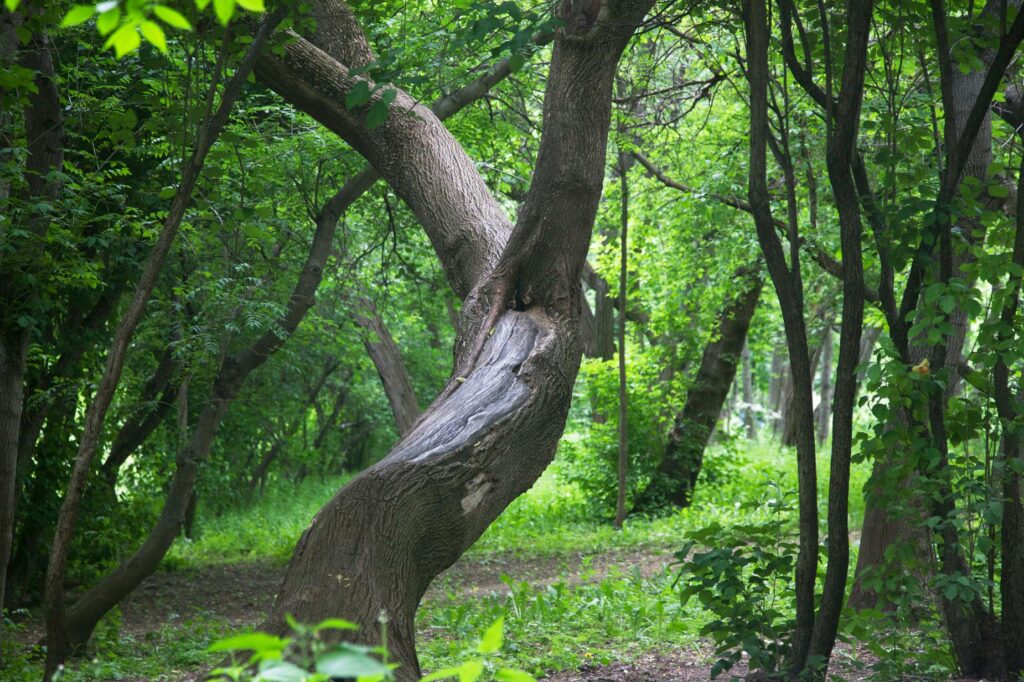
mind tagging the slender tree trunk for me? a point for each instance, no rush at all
(44, 133)
(387, 358)
(825, 387)
(57, 621)
(789, 291)
(748, 395)
(623, 463)
(680, 466)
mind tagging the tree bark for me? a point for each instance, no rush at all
(387, 358)
(495, 426)
(677, 475)
(44, 133)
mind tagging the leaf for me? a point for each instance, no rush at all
(358, 95)
(442, 674)
(252, 641)
(345, 663)
(377, 115)
(79, 14)
(224, 9)
(11, 5)
(493, 636)
(251, 5)
(281, 671)
(125, 39)
(155, 35)
(470, 671)
(335, 624)
(172, 17)
(107, 21)
(515, 62)
(512, 675)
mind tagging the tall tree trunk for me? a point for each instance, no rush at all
(825, 386)
(623, 463)
(786, 279)
(748, 394)
(387, 358)
(494, 428)
(44, 133)
(881, 529)
(676, 478)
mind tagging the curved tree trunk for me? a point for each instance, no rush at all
(495, 427)
(677, 474)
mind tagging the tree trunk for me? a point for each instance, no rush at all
(387, 358)
(825, 388)
(748, 395)
(623, 463)
(677, 474)
(44, 134)
(495, 426)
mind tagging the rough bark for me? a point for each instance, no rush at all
(387, 359)
(495, 426)
(680, 466)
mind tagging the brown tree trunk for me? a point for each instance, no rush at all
(387, 358)
(680, 467)
(44, 134)
(494, 428)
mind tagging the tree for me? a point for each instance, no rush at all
(494, 427)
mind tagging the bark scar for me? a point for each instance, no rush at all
(476, 490)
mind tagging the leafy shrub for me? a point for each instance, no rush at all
(744, 577)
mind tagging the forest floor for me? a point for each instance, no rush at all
(580, 602)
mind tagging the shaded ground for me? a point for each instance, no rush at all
(242, 594)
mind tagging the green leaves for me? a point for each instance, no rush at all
(172, 17)
(493, 636)
(11, 5)
(258, 642)
(79, 14)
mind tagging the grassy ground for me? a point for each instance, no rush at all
(572, 590)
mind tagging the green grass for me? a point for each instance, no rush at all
(266, 530)
(556, 622)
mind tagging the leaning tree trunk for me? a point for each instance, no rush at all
(495, 426)
(676, 478)
(387, 358)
